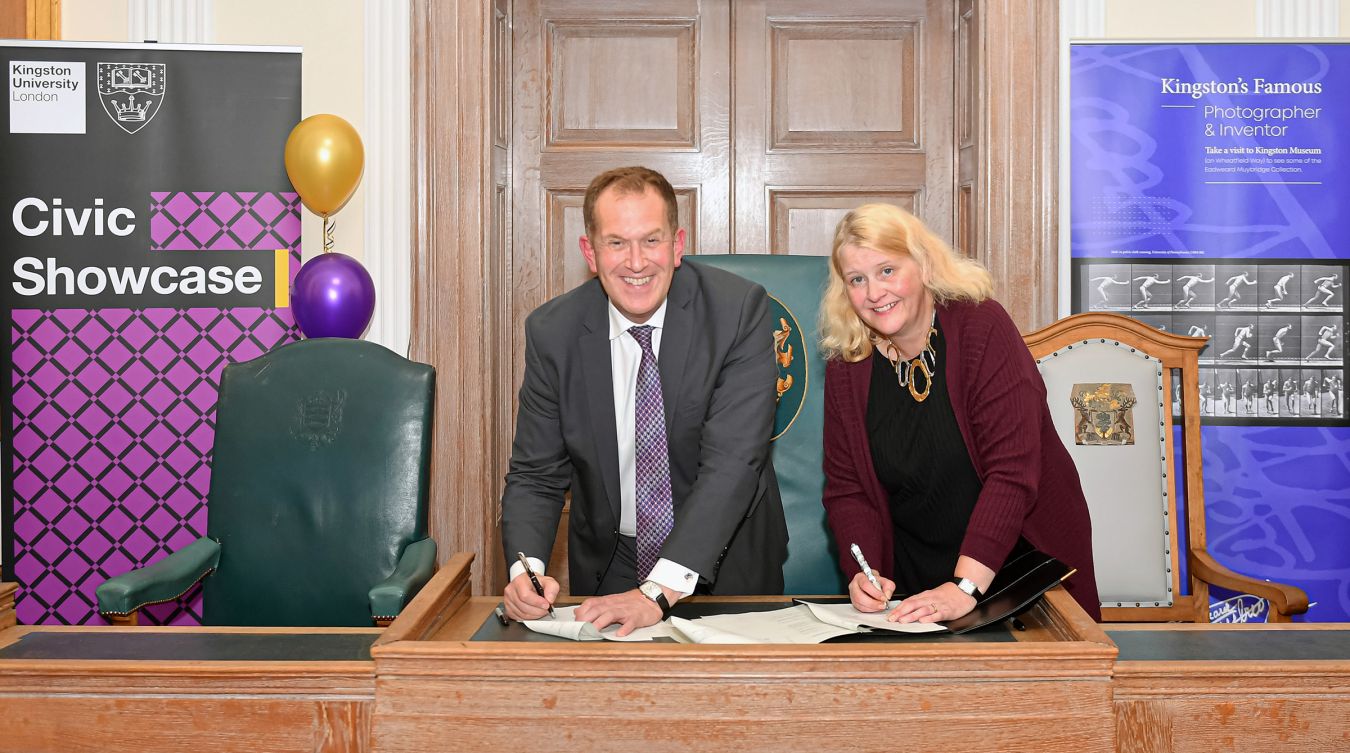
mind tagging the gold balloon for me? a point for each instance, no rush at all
(324, 159)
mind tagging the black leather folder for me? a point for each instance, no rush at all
(1015, 589)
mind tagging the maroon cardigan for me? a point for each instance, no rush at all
(1030, 484)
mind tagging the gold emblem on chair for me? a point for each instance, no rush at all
(789, 353)
(318, 418)
(1105, 413)
(782, 352)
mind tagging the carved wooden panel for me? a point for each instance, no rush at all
(622, 84)
(965, 220)
(501, 74)
(842, 100)
(966, 105)
(804, 221)
(849, 84)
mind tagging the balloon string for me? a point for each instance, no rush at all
(328, 226)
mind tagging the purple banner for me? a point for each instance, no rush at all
(1208, 187)
(152, 239)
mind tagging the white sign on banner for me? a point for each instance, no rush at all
(46, 97)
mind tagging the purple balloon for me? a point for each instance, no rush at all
(333, 296)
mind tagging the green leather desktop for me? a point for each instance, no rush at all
(795, 284)
(317, 509)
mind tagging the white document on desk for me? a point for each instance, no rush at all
(565, 625)
(845, 616)
(791, 625)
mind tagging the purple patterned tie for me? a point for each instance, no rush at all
(655, 513)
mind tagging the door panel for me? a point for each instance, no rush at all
(838, 104)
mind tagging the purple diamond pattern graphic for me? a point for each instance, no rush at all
(223, 220)
(114, 412)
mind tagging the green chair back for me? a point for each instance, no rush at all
(795, 285)
(319, 481)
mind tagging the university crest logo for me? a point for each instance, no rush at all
(131, 92)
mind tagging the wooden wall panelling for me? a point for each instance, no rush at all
(1017, 159)
(804, 220)
(485, 253)
(837, 105)
(459, 281)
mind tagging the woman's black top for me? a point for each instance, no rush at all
(922, 463)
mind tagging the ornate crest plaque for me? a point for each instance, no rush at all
(1104, 413)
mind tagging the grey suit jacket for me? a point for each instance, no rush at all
(717, 377)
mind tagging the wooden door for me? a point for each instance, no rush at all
(836, 105)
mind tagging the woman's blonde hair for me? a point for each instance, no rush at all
(894, 232)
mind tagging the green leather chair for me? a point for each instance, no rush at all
(795, 284)
(317, 509)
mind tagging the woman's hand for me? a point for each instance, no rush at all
(946, 602)
(864, 595)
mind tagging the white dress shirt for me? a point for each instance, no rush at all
(625, 356)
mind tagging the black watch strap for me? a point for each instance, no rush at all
(652, 591)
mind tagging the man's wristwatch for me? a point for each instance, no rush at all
(968, 587)
(651, 590)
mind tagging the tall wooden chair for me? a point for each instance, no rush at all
(317, 511)
(1109, 382)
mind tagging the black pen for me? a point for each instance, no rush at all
(538, 588)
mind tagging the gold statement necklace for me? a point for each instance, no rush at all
(908, 372)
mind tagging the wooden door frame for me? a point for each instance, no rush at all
(30, 19)
(459, 290)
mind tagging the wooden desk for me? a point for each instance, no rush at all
(254, 690)
(1049, 690)
(1193, 688)
(1057, 686)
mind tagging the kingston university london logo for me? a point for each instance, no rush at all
(131, 92)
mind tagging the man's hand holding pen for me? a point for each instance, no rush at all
(522, 603)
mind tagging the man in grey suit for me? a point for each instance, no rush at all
(649, 393)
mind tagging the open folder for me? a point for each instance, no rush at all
(1014, 590)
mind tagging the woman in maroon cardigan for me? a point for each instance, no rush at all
(941, 460)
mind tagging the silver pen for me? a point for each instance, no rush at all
(867, 570)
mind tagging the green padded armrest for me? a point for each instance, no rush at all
(415, 568)
(161, 581)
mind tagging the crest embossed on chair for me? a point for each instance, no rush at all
(317, 508)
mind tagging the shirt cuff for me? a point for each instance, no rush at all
(535, 564)
(674, 576)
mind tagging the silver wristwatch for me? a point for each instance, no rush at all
(968, 587)
(652, 590)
